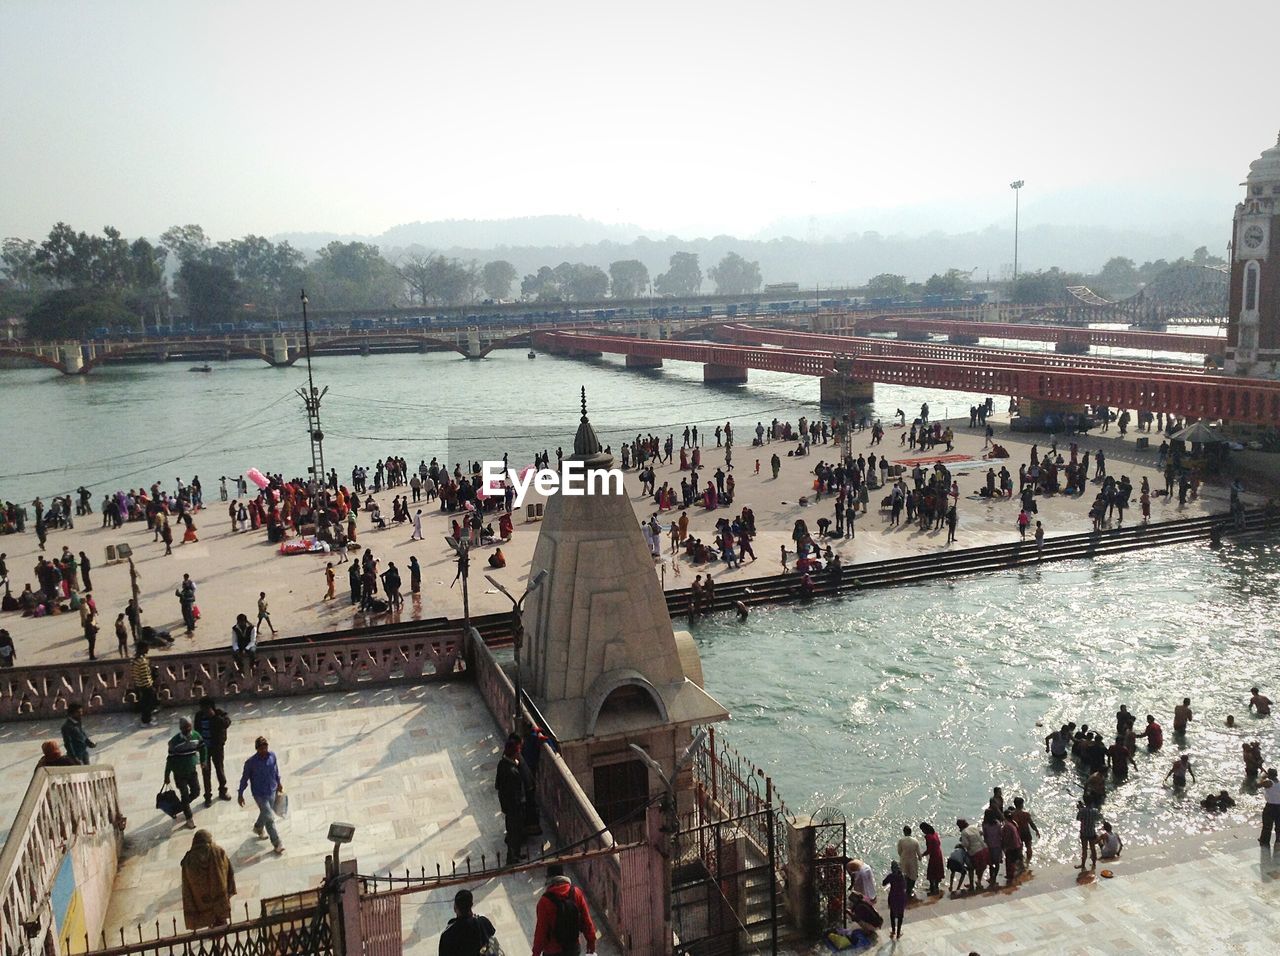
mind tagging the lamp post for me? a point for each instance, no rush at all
(517, 630)
(1016, 186)
(462, 547)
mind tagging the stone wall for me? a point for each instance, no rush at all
(39, 693)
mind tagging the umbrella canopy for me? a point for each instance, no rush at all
(1199, 433)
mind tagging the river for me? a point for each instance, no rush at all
(894, 706)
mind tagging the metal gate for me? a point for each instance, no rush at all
(724, 886)
(380, 930)
(829, 857)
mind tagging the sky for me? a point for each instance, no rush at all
(688, 118)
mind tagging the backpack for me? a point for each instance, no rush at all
(568, 920)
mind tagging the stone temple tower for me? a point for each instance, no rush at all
(1253, 316)
(601, 658)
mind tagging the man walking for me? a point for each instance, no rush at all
(562, 917)
(186, 751)
(244, 642)
(74, 738)
(264, 613)
(1271, 808)
(211, 723)
(262, 777)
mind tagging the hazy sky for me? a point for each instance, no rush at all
(679, 116)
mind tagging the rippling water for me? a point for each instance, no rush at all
(909, 704)
(895, 706)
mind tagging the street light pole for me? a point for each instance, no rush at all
(1016, 186)
(517, 631)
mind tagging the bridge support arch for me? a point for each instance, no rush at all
(643, 361)
(72, 359)
(843, 390)
(724, 374)
(279, 350)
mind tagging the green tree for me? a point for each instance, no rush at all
(1047, 286)
(211, 292)
(540, 286)
(353, 275)
(578, 282)
(185, 242)
(630, 278)
(496, 278)
(953, 283)
(76, 313)
(886, 284)
(683, 276)
(270, 274)
(1118, 276)
(734, 275)
(21, 270)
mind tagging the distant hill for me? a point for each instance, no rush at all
(810, 257)
(481, 234)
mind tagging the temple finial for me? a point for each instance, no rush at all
(584, 403)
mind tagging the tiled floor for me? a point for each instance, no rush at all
(412, 768)
(1213, 895)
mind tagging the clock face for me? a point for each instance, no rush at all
(1253, 236)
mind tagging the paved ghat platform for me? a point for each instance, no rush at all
(231, 568)
(1217, 894)
(412, 768)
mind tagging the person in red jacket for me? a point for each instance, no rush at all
(562, 900)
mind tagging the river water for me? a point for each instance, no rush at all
(894, 706)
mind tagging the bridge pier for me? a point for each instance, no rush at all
(962, 338)
(651, 330)
(1071, 347)
(280, 350)
(643, 361)
(473, 344)
(912, 335)
(72, 359)
(724, 374)
(843, 391)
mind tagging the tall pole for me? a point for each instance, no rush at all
(1016, 186)
(311, 400)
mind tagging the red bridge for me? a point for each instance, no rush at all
(849, 374)
(1066, 337)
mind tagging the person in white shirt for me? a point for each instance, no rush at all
(864, 882)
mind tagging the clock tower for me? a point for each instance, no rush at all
(1253, 326)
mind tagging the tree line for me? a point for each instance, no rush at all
(1119, 278)
(71, 283)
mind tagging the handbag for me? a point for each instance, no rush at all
(168, 802)
(280, 806)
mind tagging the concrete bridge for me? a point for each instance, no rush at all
(849, 377)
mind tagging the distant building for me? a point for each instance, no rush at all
(1253, 330)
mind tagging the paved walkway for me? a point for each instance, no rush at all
(230, 569)
(412, 768)
(1215, 894)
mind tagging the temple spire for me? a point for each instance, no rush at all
(585, 443)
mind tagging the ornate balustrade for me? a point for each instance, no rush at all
(35, 693)
(63, 805)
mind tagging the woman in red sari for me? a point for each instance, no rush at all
(933, 850)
